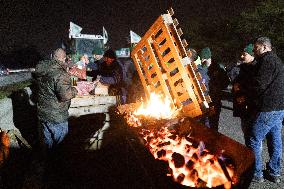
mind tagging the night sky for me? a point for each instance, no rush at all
(43, 24)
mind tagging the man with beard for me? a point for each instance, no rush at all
(267, 90)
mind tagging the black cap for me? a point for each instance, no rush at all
(110, 54)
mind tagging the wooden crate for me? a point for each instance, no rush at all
(164, 66)
(92, 104)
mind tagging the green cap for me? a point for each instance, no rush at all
(249, 49)
(98, 51)
(205, 53)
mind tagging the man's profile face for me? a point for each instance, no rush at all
(258, 49)
(108, 60)
(63, 57)
(97, 56)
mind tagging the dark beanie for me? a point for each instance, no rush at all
(205, 53)
(98, 51)
(110, 54)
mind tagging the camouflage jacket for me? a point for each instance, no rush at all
(53, 91)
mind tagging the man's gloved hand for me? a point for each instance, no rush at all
(241, 100)
(81, 91)
(212, 109)
(98, 79)
(236, 87)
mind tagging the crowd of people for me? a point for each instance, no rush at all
(258, 91)
(257, 88)
(258, 99)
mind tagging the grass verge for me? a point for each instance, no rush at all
(6, 91)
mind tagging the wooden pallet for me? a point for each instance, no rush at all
(160, 57)
(101, 102)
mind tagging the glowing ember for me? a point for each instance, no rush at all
(190, 165)
(157, 107)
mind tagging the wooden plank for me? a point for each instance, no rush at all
(145, 68)
(194, 66)
(164, 47)
(179, 88)
(190, 107)
(92, 100)
(165, 90)
(167, 57)
(184, 97)
(155, 80)
(177, 40)
(195, 79)
(79, 111)
(176, 23)
(160, 58)
(198, 76)
(101, 89)
(160, 38)
(203, 87)
(186, 80)
(179, 31)
(176, 77)
(184, 43)
(153, 29)
(140, 73)
(208, 99)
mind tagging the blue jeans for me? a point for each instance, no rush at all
(53, 133)
(267, 124)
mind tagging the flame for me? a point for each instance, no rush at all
(4, 147)
(157, 107)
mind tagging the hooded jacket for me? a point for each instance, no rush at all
(54, 91)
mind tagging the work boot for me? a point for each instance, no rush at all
(272, 178)
(275, 179)
(257, 179)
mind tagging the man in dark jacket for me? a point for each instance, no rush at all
(111, 72)
(54, 94)
(268, 93)
(217, 81)
(242, 106)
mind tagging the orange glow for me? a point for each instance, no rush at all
(157, 107)
(189, 164)
(4, 147)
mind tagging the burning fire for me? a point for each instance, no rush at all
(189, 164)
(157, 107)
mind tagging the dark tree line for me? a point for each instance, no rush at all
(228, 35)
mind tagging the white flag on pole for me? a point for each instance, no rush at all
(74, 29)
(134, 38)
(105, 35)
